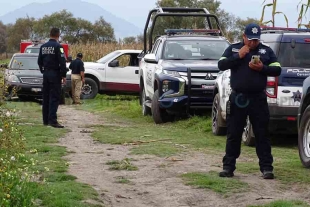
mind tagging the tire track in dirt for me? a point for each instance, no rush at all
(157, 182)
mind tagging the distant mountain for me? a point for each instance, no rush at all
(78, 8)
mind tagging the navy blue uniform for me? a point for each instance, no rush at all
(77, 66)
(248, 98)
(52, 64)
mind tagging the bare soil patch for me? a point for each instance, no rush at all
(157, 182)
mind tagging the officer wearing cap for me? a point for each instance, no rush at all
(77, 77)
(248, 98)
(52, 64)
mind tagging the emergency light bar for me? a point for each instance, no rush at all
(285, 29)
(209, 31)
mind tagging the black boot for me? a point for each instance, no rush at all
(226, 173)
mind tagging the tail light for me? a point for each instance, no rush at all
(272, 86)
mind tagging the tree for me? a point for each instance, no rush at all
(226, 20)
(22, 29)
(3, 37)
(240, 24)
(104, 31)
(129, 40)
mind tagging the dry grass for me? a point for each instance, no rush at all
(93, 52)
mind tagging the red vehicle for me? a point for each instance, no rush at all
(28, 46)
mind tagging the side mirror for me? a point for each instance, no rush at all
(150, 58)
(114, 63)
(69, 59)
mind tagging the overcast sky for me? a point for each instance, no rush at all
(136, 11)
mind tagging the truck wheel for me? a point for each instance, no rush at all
(90, 89)
(304, 138)
(159, 115)
(248, 136)
(146, 111)
(217, 119)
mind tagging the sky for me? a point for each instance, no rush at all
(137, 11)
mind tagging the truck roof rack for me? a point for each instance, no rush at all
(281, 30)
(176, 11)
(191, 31)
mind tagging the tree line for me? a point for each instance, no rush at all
(76, 30)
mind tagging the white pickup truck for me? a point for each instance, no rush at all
(116, 72)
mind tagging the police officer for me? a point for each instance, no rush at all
(248, 98)
(77, 77)
(52, 64)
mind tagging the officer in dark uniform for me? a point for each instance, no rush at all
(77, 77)
(248, 98)
(52, 64)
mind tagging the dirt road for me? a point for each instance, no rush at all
(157, 181)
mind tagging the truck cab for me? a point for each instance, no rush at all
(178, 72)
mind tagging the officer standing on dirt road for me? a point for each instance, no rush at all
(248, 98)
(52, 64)
(77, 77)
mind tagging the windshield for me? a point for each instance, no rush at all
(32, 50)
(294, 57)
(24, 63)
(194, 49)
(106, 58)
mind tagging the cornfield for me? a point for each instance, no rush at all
(93, 51)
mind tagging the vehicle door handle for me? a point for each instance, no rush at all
(136, 71)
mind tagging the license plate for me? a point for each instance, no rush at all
(36, 89)
(204, 86)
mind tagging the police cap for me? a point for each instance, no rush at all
(80, 55)
(252, 31)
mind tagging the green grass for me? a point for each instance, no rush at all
(124, 164)
(130, 127)
(4, 61)
(213, 182)
(122, 180)
(284, 203)
(55, 186)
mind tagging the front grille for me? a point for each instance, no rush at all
(198, 93)
(31, 80)
(201, 75)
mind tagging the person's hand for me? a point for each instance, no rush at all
(63, 81)
(243, 51)
(258, 66)
(83, 81)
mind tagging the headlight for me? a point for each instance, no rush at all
(172, 73)
(13, 78)
(166, 86)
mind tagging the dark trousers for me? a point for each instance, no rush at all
(51, 95)
(258, 112)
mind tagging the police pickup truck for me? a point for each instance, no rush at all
(177, 73)
(283, 93)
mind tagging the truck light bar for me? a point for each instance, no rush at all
(174, 31)
(285, 29)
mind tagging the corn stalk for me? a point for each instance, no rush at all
(274, 13)
(303, 10)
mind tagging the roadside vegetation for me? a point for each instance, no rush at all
(32, 171)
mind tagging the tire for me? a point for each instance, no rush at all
(217, 119)
(25, 98)
(303, 138)
(89, 89)
(146, 111)
(160, 116)
(248, 137)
